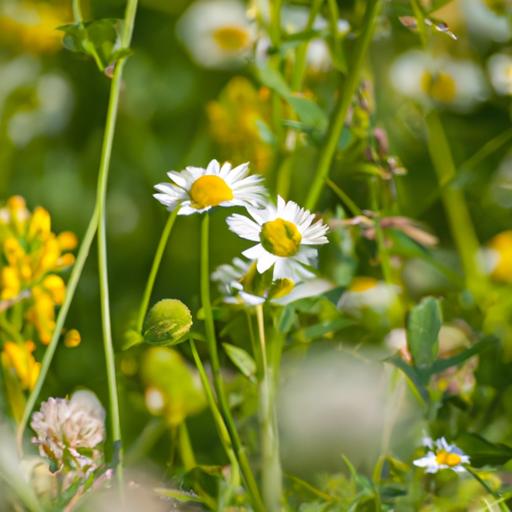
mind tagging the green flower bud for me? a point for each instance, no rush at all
(167, 323)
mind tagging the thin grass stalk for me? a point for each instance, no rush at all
(214, 359)
(270, 460)
(340, 113)
(155, 266)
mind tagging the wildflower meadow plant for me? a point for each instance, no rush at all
(342, 179)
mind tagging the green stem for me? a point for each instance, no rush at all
(454, 203)
(503, 506)
(351, 206)
(77, 11)
(106, 153)
(299, 69)
(385, 260)
(217, 378)
(270, 461)
(338, 120)
(154, 268)
(185, 446)
(217, 416)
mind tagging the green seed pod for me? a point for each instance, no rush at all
(167, 323)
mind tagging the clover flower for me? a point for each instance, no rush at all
(442, 455)
(69, 432)
(368, 293)
(198, 189)
(284, 234)
(440, 81)
(217, 33)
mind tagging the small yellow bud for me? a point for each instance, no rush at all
(67, 241)
(10, 283)
(40, 224)
(55, 286)
(72, 338)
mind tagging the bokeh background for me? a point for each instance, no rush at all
(52, 112)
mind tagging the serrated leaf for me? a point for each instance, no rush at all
(241, 359)
(482, 452)
(423, 326)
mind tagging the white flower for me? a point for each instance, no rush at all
(367, 292)
(284, 235)
(197, 189)
(500, 72)
(217, 33)
(442, 455)
(64, 428)
(458, 84)
(231, 279)
(484, 22)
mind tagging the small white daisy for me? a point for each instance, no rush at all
(438, 81)
(217, 33)
(234, 281)
(284, 234)
(197, 190)
(442, 455)
(500, 73)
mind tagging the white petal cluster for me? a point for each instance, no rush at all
(69, 432)
(500, 73)
(197, 189)
(285, 234)
(442, 455)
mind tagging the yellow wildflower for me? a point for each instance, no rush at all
(32, 25)
(500, 248)
(234, 123)
(19, 357)
(72, 338)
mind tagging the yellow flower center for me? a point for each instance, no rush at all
(447, 458)
(231, 38)
(362, 284)
(280, 237)
(439, 86)
(209, 191)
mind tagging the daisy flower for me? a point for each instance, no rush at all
(217, 33)
(500, 72)
(238, 284)
(442, 455)
(284, 234)
(197, 189)
(457, 84)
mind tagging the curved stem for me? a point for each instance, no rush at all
(154, 269)
(217, 378)
(270, 462)
(341, 110)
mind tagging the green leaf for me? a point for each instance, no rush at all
(241, 359)
(99, 39)
(442, 364)
(482, 452)
(287, 319)
(423, 326)
(309, 113)
(320, 329)
(413, 375)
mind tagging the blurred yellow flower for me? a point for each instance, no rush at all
(33, 254)
(32, 26)
(500, 256)
(18, 356)
(237, 120)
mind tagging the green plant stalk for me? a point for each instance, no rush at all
(453, 200)
(217, 416)
(270, 461)
(154, 268)
(299, 69)
(503, 506)
(185, 446)
(106, 153)
(385, 261)
(214, 358)
(343, 196)
(340, 113)
(77, 11)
